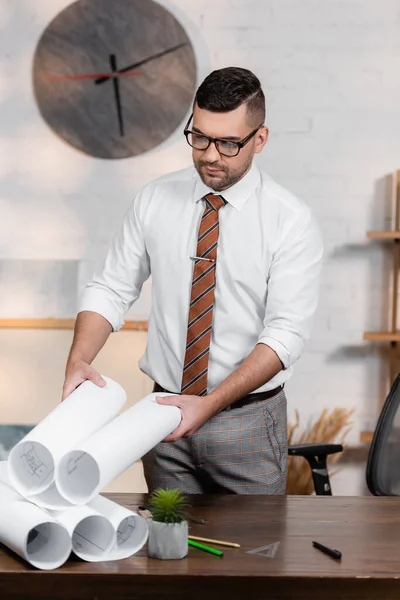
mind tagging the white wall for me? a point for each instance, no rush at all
(329, 70)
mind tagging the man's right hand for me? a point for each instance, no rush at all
(76, 373)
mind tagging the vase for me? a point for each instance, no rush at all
(167, 540)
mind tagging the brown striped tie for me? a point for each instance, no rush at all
(195, 370)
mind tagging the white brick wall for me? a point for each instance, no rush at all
(330, 72)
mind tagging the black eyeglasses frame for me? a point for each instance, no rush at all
(215, 141)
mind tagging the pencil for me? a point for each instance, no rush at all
(205, 548)
(219, 542)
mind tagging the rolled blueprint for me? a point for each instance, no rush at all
(131, 530)
(92, 534)
(50, 499)
(84, 471)
(32, 462)
(29, 531)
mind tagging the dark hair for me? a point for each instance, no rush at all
(226, 89)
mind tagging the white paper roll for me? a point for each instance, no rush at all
(92, 534)
(33, 460)
(84, 471)
(5, 478)
(50, 499)
(131, 529)
(30, 532)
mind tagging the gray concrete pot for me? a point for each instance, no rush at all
(167, 540)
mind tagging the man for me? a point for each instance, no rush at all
(235, 263)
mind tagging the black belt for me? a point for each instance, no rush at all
(239, 403)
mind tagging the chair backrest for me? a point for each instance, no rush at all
(383, 467)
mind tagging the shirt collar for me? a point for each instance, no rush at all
(237, 194)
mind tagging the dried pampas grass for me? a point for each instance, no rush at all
(330, 427)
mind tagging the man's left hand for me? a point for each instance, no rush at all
(195, 412)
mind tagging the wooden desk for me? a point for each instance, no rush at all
(366, 530)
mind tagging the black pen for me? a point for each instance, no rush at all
(330, 551)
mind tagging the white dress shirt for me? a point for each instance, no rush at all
(267, 274)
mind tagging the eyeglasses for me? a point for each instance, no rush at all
(199, 141)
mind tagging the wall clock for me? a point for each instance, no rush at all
(114, 78)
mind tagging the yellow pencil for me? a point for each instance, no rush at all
(219, 542)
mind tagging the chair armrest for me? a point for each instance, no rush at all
(314, 449)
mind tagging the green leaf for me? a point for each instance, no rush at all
(168, 506)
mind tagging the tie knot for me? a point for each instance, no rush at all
(214, 201)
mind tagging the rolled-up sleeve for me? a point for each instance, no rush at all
(115, 288)
(293, 289)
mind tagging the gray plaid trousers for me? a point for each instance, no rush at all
(238, 451)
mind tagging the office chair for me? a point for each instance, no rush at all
(383, 466)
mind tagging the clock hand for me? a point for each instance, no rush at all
(142, 62)
(146, 60)
(113, 64)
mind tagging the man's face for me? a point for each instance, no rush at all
(217, 171)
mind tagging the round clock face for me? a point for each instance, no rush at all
(114, 78)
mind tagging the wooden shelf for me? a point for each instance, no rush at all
(393, 335)
(384, 235)
(60, 324)
(382, 336)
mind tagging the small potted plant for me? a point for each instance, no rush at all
(168, 535)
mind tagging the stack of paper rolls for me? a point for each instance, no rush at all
(53, 477)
